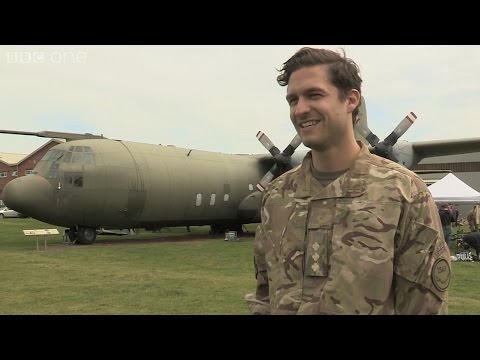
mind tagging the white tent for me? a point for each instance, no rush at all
(451, 189)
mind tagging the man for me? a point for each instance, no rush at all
(455, 213)
(446, 218)
(472, 239)
(346, 232)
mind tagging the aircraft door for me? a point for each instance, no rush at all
(137, 192)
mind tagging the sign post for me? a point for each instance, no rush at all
(38, 232)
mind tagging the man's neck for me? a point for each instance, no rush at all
(336, 158)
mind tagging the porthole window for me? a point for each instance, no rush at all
(199, 200)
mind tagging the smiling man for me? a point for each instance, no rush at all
(345, 232)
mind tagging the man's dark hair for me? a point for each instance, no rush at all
(343, 72)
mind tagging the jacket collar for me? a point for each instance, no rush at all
(350, 184)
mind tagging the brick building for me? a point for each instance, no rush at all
(14, 165)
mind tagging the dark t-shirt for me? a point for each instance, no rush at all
(446, 218)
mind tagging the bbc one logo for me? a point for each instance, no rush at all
(46, 57)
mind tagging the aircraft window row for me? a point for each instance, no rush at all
(73, 179)
(198, 200)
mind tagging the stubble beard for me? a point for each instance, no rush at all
(317, 145)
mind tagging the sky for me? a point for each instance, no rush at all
(217, 97)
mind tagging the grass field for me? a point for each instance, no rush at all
(148, 273)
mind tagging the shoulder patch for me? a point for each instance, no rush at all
(441, 274)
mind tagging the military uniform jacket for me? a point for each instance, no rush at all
(370, 242)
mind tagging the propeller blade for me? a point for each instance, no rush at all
(363, 130)
(267, 143)
(262, 184)
(361, 126)
(290, 149)
(283, 160)
(400, 129)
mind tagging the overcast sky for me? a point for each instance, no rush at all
(217, 97)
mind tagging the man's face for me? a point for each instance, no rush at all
(320, 118)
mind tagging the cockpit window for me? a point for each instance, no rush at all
(73, 179)
(52, 174)
(67, 157)
(88, 158)
(53, 155)
(79, 155)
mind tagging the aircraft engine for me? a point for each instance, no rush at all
(283, 160)
(249, 208)
(385, 148)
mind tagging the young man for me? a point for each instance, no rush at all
(346, 232)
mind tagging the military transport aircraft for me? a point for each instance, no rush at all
(92, 182)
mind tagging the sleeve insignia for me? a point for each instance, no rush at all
(441, 274)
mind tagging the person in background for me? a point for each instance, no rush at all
(447, 219)
(472, 219)
(345, 232)
(455, 214)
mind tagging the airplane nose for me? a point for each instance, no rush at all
(31, 195)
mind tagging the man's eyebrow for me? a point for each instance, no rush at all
(307, 91)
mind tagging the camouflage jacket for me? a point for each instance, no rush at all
(371, 242)
(471, 217)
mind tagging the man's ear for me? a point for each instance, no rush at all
(353, 99)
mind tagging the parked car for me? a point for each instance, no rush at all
(5, 212)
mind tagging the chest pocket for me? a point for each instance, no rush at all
(318, 247)
(285, 225)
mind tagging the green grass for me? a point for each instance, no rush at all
(115, 276)
(149, 273)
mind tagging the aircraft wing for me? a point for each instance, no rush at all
(55, 134)
(446, 147)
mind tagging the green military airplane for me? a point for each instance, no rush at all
(91, 182)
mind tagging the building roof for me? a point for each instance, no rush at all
(10, 158)
(15, 159)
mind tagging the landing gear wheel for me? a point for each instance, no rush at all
(86, 236)
(215, 229)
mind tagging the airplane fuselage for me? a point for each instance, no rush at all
(101, 183)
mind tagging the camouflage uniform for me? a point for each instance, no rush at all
(472, 220)
(370, 242)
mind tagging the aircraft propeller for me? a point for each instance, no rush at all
(283, 160)
(385, 148)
